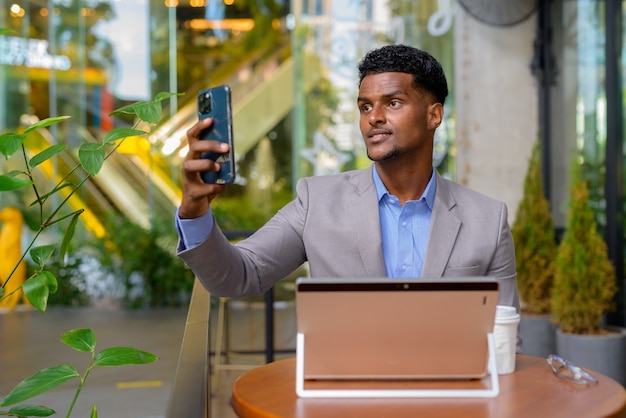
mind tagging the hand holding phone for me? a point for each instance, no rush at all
(215, 103)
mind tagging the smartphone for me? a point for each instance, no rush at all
(215, 103)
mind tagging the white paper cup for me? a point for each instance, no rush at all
(505, 338)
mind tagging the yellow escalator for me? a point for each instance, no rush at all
(139, 182)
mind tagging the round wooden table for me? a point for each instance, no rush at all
(531, 391)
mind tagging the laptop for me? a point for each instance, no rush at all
(395, 329)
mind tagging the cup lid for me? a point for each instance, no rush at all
(506, 312)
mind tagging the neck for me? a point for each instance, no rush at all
(406, 184)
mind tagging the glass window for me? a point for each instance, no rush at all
(580, 100)
(328, 46)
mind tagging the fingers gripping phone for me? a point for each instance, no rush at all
(215, 103)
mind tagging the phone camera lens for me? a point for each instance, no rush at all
(205, 103)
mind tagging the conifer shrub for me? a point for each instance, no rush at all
(585, 281)
(535, 245)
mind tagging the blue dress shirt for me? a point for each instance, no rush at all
(404, 229)
(193, 231)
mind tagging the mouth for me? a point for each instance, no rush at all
(378, 135)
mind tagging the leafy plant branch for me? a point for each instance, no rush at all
(81, 340)
(91, 155)
(37, 288)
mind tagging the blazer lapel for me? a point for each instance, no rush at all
(444, 228)
(366, 223)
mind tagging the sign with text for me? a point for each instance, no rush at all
(32, 53)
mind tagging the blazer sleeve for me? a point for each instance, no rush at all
(332, 224)
(503, 264)
(252, 266)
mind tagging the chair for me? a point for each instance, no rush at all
(223, 354)
(222, 362)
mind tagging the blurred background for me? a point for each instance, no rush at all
(519, 72)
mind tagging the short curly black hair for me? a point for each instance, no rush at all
(426, 70)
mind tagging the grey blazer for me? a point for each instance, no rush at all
(333, 223)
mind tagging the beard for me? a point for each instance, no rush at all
(395, 151)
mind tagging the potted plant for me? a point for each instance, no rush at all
(585, 284)
(535, 251)
(36, 288)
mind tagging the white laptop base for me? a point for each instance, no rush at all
(395, 393)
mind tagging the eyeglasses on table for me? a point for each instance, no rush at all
(567, 370)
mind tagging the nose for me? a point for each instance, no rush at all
(376, 116)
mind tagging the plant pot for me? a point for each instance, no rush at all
(602, 353)
(538, 335)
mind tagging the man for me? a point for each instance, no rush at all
(397, 218)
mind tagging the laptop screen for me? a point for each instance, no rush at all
(395, 328)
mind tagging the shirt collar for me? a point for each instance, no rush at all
(428, 195)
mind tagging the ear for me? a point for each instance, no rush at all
(435, 115)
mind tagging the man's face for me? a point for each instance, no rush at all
(396, 119)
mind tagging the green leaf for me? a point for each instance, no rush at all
(46, 154)
(83, 339)
(120, 356)
(91, 156)
(6, 31)
(166, 95)
(149, 111)
(67, 237)
(53, 284)
(42, 253)
(36, 290)
(39, 383)
(11, 142)
(128, 109)
(146, 111)
(94, 411)
(45, 123)
(8, 183)
(120, 133)
(31, 411)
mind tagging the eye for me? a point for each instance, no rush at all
(394, 103)
(366, 108)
